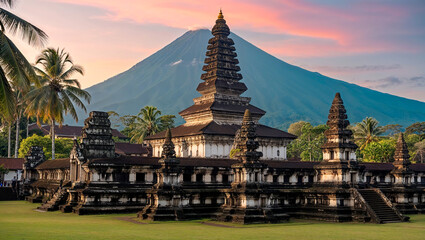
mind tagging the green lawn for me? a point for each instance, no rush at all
(18, 220)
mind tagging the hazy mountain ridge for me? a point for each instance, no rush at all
(168, 80)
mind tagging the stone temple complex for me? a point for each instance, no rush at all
(192, 177)
(215, 117)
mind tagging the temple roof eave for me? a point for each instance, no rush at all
(213, 128)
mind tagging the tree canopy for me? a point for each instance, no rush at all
(308, 145)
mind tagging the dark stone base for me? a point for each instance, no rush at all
(93, 210)
(8, 194)
(329, 214)
(252, 215)
(408, 208)
(161, 214)
(66, 208)
(34, 199)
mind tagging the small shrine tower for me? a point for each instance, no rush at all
(401, 171)
(339, 151)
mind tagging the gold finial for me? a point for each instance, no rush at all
(220, 15)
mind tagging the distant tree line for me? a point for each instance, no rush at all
(376, 143)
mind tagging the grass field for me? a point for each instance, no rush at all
(18, 220)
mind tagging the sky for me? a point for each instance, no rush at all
(372, 43)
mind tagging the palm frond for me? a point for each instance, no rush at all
(68, 105)
(30, 33)
(7, 101)
(74, 69)
(80, 93)
(18, 70)
(9, 3)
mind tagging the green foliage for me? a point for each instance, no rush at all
(382, 151)
(63, 146)
(392, 129)
(3, 146)
(16, 73)
(117, 139)
(296, 128)
(35, 140)
(148, 122)
(36, 132)
(59, 90)
(114, 117)
(411, 140)
(367, 131)
(308, 145)
(417, 128)
(3, 170)
(167, 121)
(419, 153)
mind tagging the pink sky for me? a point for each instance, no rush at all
(364, 42)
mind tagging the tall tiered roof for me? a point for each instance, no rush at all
(338, 123)
(221, 87)
(245, 141)
(168, 146)
(401, 155)
(96, 141)
(220, 109)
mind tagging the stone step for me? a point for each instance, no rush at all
(384, 212)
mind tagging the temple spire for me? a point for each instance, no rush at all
(221, 88)
(338, 147)
(168, 151)
(401, 155)
(245, 140)
(247, 116)
(220, 15)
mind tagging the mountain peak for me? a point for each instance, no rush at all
(287, 93)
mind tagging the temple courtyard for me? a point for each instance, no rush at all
(20, 220)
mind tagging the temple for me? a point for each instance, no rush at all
(191, 175)
(214, 118)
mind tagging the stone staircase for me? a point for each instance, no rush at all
(53, 204)
(382, 210)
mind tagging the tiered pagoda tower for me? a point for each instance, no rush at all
(221, 88)
(250, 200)
(339, 152)
(338, 148)
(165, 199)
(401, 171)
(214, 118)
(96, 142)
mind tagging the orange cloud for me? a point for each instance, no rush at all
(347, 28)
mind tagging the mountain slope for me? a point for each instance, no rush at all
(168, 79)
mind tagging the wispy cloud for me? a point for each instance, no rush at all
(355, 69)
(176, 62)
(392, 81)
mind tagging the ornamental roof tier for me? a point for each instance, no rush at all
(212, 128)
(221, 87)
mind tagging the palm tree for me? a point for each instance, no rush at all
(367, 131)
(19, 110)
(15, 71)
(7, 121)
(58, 92)
(148, 122)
